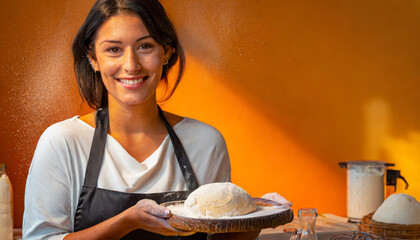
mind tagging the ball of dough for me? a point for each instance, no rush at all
(219, 200)
(399, 209)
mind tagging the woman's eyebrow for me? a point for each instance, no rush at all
(119, 42)
(142, 38)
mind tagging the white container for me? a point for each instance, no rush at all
(365, 187)
(6, 205)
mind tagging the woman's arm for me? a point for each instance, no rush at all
(146, 214)
(48, 191)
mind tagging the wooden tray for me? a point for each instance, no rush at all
(268, 215)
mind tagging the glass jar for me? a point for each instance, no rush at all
(307, 219)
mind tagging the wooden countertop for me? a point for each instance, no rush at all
(327, 226)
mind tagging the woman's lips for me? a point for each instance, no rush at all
(132, 82)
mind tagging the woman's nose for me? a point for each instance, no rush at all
(131, 62)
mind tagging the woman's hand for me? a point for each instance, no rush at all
(150, 216)
(146, 215)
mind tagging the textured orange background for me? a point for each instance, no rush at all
(294, 86)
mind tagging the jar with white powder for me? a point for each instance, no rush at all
(365, 187)
(6, 205)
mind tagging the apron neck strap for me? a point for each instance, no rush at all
(98, 149)
(181, 155)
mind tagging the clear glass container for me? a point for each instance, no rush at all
(307, 220)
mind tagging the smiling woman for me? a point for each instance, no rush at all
(130, 66)
(158, 33)
(110, 169)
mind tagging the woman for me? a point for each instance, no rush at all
(110, 187)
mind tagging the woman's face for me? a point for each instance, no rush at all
(130, 61)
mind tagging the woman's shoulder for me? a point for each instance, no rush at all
(66, 129)
(190, 128)
(197, 125)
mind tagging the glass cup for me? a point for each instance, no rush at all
(307, 219)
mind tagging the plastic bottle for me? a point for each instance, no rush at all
(6, 205)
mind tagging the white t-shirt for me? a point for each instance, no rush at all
(58, 167)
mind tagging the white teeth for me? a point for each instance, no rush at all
(131, 82)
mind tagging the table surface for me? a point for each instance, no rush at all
(327, 226)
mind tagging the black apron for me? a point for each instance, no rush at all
(97, 205)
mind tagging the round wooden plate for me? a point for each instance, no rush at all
(269, 214)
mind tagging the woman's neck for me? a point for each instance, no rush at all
(133, 119)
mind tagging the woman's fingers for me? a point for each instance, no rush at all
(151, 207)
(153, 219)
(164, 228)
(156, 210)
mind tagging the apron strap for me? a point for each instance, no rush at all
(98, 149)
(181, 156)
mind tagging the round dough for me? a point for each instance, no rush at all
(216, 200)
(399, 209)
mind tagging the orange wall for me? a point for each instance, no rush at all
(294, 86)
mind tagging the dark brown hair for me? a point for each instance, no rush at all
(159, 26)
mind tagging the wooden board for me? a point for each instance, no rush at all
(268, 215)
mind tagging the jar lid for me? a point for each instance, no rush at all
(365, 163)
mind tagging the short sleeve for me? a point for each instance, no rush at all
(221, 157)
(47, 212)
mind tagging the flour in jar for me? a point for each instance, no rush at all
(365, 191)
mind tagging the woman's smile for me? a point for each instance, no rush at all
(132, 82)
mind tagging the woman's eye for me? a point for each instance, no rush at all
(145, 46)
(113, 50)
